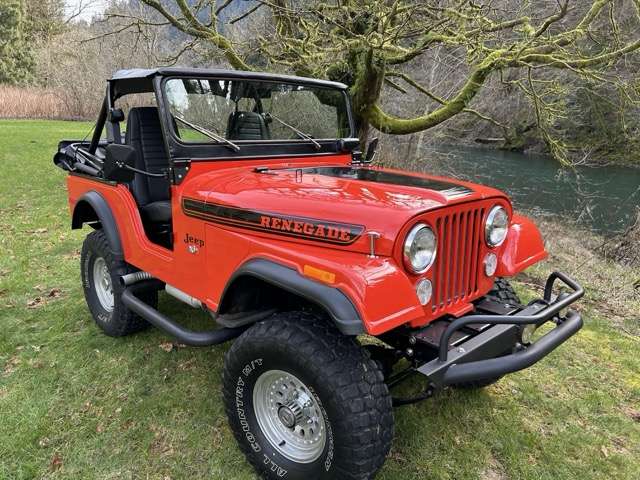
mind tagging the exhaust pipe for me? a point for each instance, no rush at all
(183, 297)
(135, 277)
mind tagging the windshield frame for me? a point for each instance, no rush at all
(164, 100)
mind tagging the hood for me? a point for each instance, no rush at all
(333, 204)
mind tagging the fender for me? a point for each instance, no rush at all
(91, 205)
(335, 302)
(524, 247)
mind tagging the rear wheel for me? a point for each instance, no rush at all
(306, 402)
(101, 273)
(502, 292)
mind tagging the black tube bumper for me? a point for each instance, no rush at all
(479, 357)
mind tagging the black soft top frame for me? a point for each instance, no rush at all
(125, 82)
(140, 80)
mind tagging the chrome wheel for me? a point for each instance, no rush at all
(289, 416)
(102, 284)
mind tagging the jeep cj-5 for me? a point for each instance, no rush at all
(246, 195)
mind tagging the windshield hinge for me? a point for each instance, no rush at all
(356, 157)
(179, 170)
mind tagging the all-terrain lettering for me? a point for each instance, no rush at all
(274, 467)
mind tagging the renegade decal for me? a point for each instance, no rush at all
(448, 189)
(300, 227)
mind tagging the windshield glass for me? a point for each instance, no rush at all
(250, 110)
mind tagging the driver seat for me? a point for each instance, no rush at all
(247, 126)
(152, 194)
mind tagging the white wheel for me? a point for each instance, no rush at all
(102, 284)
(289, 416)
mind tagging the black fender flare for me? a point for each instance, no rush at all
(99, 212)
(338, 305)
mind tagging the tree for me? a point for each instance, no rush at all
(369, 44)
(16, 55)
(46, 19)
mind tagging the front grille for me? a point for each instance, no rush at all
(455, 277)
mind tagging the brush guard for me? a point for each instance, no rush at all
(480, 357)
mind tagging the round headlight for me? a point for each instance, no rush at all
(497, 226)
(420, 248)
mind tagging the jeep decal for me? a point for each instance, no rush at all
(299, 227)
(191, 240)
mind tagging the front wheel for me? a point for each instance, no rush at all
(306, 402)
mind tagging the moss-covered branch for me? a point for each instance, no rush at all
(189, 24)
(400, 126)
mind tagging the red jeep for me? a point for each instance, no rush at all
(246, 195)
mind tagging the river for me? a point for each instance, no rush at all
(603, 199)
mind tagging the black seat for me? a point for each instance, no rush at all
(151, 193)
(247, 126)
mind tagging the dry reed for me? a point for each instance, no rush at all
(33, 102)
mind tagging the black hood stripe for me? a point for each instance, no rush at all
(278, 224)
(448, 189)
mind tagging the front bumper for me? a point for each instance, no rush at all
(479, 358)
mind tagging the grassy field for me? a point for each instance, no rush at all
(77, 404)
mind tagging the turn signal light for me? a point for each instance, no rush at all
(319, 274)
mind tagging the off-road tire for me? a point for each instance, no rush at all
(118, 321)
(344, 382)
(503, 292)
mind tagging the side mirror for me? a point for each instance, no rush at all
(119, 159)
(371, 151)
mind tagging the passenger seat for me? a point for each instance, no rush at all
(152, 194)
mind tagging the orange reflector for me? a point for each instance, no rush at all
(318, 274)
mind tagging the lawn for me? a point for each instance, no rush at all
(75, 403)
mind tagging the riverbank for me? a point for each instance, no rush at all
(416, 148)
(77, 404)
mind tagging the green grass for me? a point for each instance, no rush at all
(77, 404)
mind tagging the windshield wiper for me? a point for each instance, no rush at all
(300, 133)
(208, 133)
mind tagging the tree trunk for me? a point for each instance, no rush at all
(365, 92)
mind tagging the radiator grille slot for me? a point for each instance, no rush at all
(455, 278)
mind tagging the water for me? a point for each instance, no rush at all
(603, 199)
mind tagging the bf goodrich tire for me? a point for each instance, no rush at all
(306, 402)
(503, 292)
(101, 274)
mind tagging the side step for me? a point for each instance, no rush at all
(157, 319)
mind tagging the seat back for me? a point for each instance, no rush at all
(247, 126)
(144, 133)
